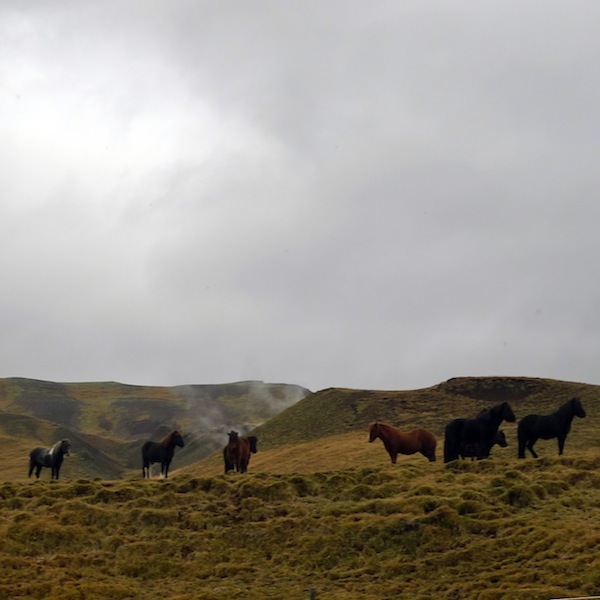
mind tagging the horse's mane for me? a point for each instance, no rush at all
(60, 444)
(169, 437)
(378, 424)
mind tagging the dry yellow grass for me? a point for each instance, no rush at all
(343, 451)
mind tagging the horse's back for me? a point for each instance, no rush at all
(528, 423)
(36, 453)
(544, 427)
(152, 451)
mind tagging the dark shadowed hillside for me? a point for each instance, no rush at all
(336, 411)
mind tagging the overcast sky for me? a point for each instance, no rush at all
(375, 194)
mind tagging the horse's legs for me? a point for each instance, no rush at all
(522, 444)
(31, 468)
(561, 444)
(530, 444)
(393, 456)
(38, 470)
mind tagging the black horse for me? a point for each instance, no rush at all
(49, 457)
(162, 452)
(545, 427)
(478, 433)
(472, 450)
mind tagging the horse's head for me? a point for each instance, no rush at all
(65, 446)
(233, 436)
(178, 438)
(373, 431)
(577, 407)
(252, 441)
(500, 439)
(507, 413)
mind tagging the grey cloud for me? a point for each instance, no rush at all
(323, 194)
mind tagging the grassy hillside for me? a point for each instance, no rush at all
(322, 509)
(494, 529)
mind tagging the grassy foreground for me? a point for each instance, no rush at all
(493, 529)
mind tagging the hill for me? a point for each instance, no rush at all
(327, 430)
(485, 530)
(107, 421)
(322, 513)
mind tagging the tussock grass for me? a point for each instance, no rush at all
(500, 528)
(320, 508)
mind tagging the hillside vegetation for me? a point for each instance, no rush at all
(321, 509)
(492, 529)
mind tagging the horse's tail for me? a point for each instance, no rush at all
(523, 434)
(452, 437)
(145, 461)
(228, 464)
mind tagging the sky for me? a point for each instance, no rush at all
(339, 193)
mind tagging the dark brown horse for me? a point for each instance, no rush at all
(472, 450)
(404, 442)
(545, 427)
(236, 454)
(49, 457)
(477, 433)
(161, 452)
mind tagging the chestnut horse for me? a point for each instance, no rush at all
(49, 457)
(236, 454)
(162, 452)
(404, 442)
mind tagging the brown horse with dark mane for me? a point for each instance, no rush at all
(404, 442)
(161, 452)
(236, 454)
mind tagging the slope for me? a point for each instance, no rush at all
(327, 430)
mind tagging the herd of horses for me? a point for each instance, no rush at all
(475, 437)
(463, 438)
(236, 454)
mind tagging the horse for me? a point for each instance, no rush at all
(236, 454)
(472, 450)
(479, 432)
(404, 442)
(545, 427)
(49, 457)
(162, 452)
